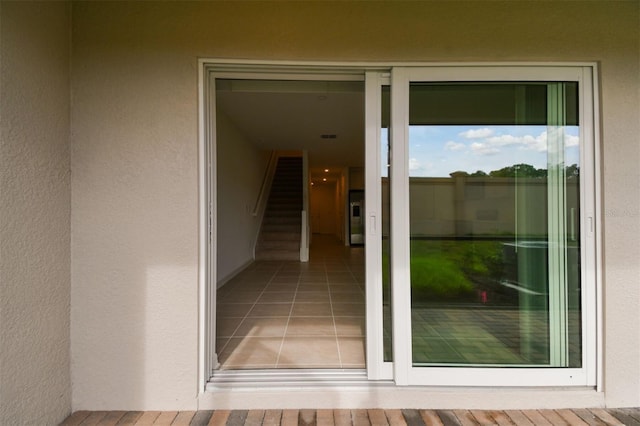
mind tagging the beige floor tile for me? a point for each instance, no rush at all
(347, 298)
(311, 326)
(233, 309)
(345, 288)
(350, 326)
(337, 277)
(348, 309)
(276, 297)
(309, 352)
(284, 280)
(225, 326)
(352, 350)
(291, 287)
(271, 310)
(251, 352)
(221, 343)
(304, 309)
(241, 297)
(312, 296)
(314, 277)
(313, 287)
(262, 327)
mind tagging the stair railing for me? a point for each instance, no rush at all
(266, 184)
(304, 238)
(261, 202)
(305, 231)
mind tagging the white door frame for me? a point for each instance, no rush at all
(401, 372)
(208, 72)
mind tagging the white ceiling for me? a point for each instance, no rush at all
(294, 115)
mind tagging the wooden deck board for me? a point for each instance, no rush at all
(412, 417)
(147, 418)
(201, 418)
(465, 417)
(272, 417)
(342, 417)
(626, 419)
(430, 418)
(377, 417)
(219, 418)
(606, 417)
(519, 418)
(395, 417)
(325, 418)
(75, 418)
(358, 417)
(289, 418)
(111, 418)
(448, 418)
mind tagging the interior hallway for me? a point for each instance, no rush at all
(284, 314)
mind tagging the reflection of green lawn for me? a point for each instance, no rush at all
(451, 270)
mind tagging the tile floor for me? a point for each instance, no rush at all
(284, 314)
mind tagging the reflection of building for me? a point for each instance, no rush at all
(481, 206)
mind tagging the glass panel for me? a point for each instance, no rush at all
(385, 173)
(494, 208)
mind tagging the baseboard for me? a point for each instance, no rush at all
(231, 275)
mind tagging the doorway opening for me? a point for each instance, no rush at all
(275, 306)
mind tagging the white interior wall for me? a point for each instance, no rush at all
(35, 202)
(240, 172)
(134, 158)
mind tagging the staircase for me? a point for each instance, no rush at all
(280, 233)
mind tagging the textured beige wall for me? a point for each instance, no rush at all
(134, 158)
(240, 171)
(35, 201)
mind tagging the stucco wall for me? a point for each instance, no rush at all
(134, 158)
(35, 200)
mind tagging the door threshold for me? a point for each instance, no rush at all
(288, 378)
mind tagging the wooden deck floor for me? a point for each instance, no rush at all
(375, 417)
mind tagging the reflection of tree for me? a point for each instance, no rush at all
(518, 170)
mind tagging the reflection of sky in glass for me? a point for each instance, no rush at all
(438, 151)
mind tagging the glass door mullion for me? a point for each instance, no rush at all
(557, 219)
(400, 232)
(377, 368)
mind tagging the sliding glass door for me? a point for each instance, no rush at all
(491, 206)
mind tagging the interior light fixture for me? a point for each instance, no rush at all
(326, 170)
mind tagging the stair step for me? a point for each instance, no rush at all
(281, 229)
(279, 245)
(278, 255)
(280, 236)
(281, 219)
(275, 212)
(280, 232)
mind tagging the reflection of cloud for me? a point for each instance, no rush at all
(477, 133)
(484, 148)
(526, 142)
(454, 146)
(571, 140)
(535, 143)
(414, 164)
